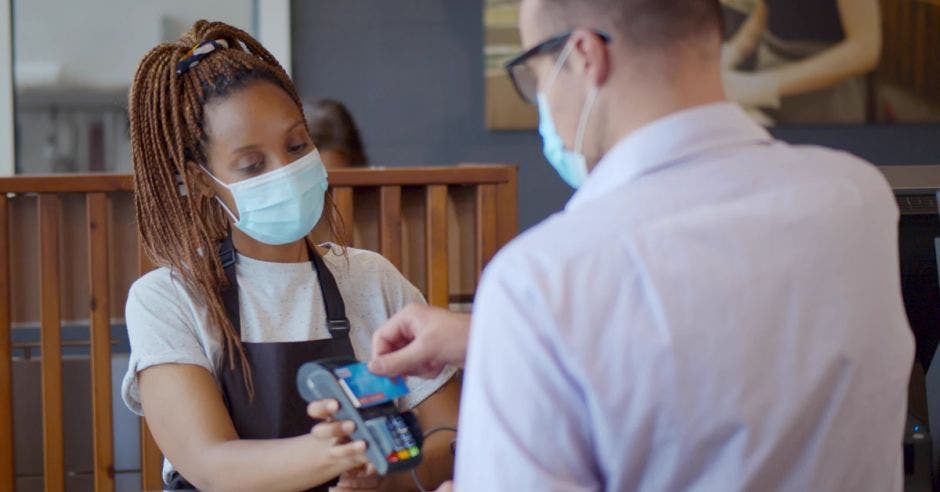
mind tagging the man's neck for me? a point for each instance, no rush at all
(635, 106)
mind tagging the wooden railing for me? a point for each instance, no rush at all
(67, 238)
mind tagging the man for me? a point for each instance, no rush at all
(713, 310)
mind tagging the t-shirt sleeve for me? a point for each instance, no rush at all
(399, 292)
(162, 330)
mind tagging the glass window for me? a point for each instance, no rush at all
(73, 63)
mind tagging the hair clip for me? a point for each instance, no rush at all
(197, 53)
(180, 184)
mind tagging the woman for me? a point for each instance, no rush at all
(335, 134)
(217, 333)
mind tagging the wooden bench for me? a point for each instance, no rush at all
(68, 251)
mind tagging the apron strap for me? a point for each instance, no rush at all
(336, 321)
(230, 291)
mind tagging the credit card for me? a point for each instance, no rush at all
(366, 389)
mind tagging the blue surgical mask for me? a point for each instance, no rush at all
(570, 164)
(280, 206)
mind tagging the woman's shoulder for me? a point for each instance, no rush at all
(158, 285)
(357, 262)
(367, 270)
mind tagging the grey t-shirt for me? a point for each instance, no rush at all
(279, 302)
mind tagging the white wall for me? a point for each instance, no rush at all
(274, 30)
(99, 42)
(6, 93)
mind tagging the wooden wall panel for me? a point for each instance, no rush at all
(412, 237)
(437, 269)
(6, 368)
(80, 254)
(51, 343)
(99, 306)
(911, 30)
(390, 224)
(487, 229)
(461, 242)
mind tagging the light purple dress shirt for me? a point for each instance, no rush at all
(713, 310)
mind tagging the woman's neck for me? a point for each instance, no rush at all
(295, 252)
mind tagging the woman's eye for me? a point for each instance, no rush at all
(297, 147)
(252, 168)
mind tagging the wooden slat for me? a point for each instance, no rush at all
(435, 234)
(507, 210)
(390, 224)
(419, 176)
(343, 199)
(51, 339)
(151, 460)
(6, 370)
(71, 183)
(392, 176)
(100, 316)
(486, 226)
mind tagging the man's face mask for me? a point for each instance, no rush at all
(571, 165)
(280, 206)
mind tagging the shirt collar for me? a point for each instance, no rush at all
(668, 141)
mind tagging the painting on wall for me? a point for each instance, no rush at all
(505, 110)
(833, 61)
(788, 63)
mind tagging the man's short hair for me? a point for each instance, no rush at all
(642, 23)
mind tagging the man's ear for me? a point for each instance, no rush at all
(200, 180)
(591, 53)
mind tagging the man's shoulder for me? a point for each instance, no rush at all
(828, 162)
(567, 244)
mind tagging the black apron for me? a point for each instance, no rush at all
(277, 409)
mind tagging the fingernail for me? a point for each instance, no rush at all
(349, 426)
(359, 445)
(332, 406)
(375, 366)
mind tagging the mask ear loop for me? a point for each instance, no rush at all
(558, 66)
(585, 116)
(588, 104)
(224, 206)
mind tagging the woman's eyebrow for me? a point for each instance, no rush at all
(296, 124)
(245, 147)
(256, 146)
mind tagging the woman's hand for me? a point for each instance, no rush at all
(337, 453)
(361, 479)
(203, 444)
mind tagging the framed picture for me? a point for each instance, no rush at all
(504, 109)
(788, 62)
(833, 61)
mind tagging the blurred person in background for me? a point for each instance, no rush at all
(335, 134)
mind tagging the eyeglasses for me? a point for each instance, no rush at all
(523, 77)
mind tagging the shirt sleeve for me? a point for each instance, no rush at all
(523, 421)
(161, 330)
(399, 292)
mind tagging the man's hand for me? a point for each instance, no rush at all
(420, 341)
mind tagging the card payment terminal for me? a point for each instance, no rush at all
(393, 438)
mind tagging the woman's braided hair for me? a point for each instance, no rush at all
(182, 230)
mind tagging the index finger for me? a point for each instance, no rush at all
(392, 335)
(322, 409)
